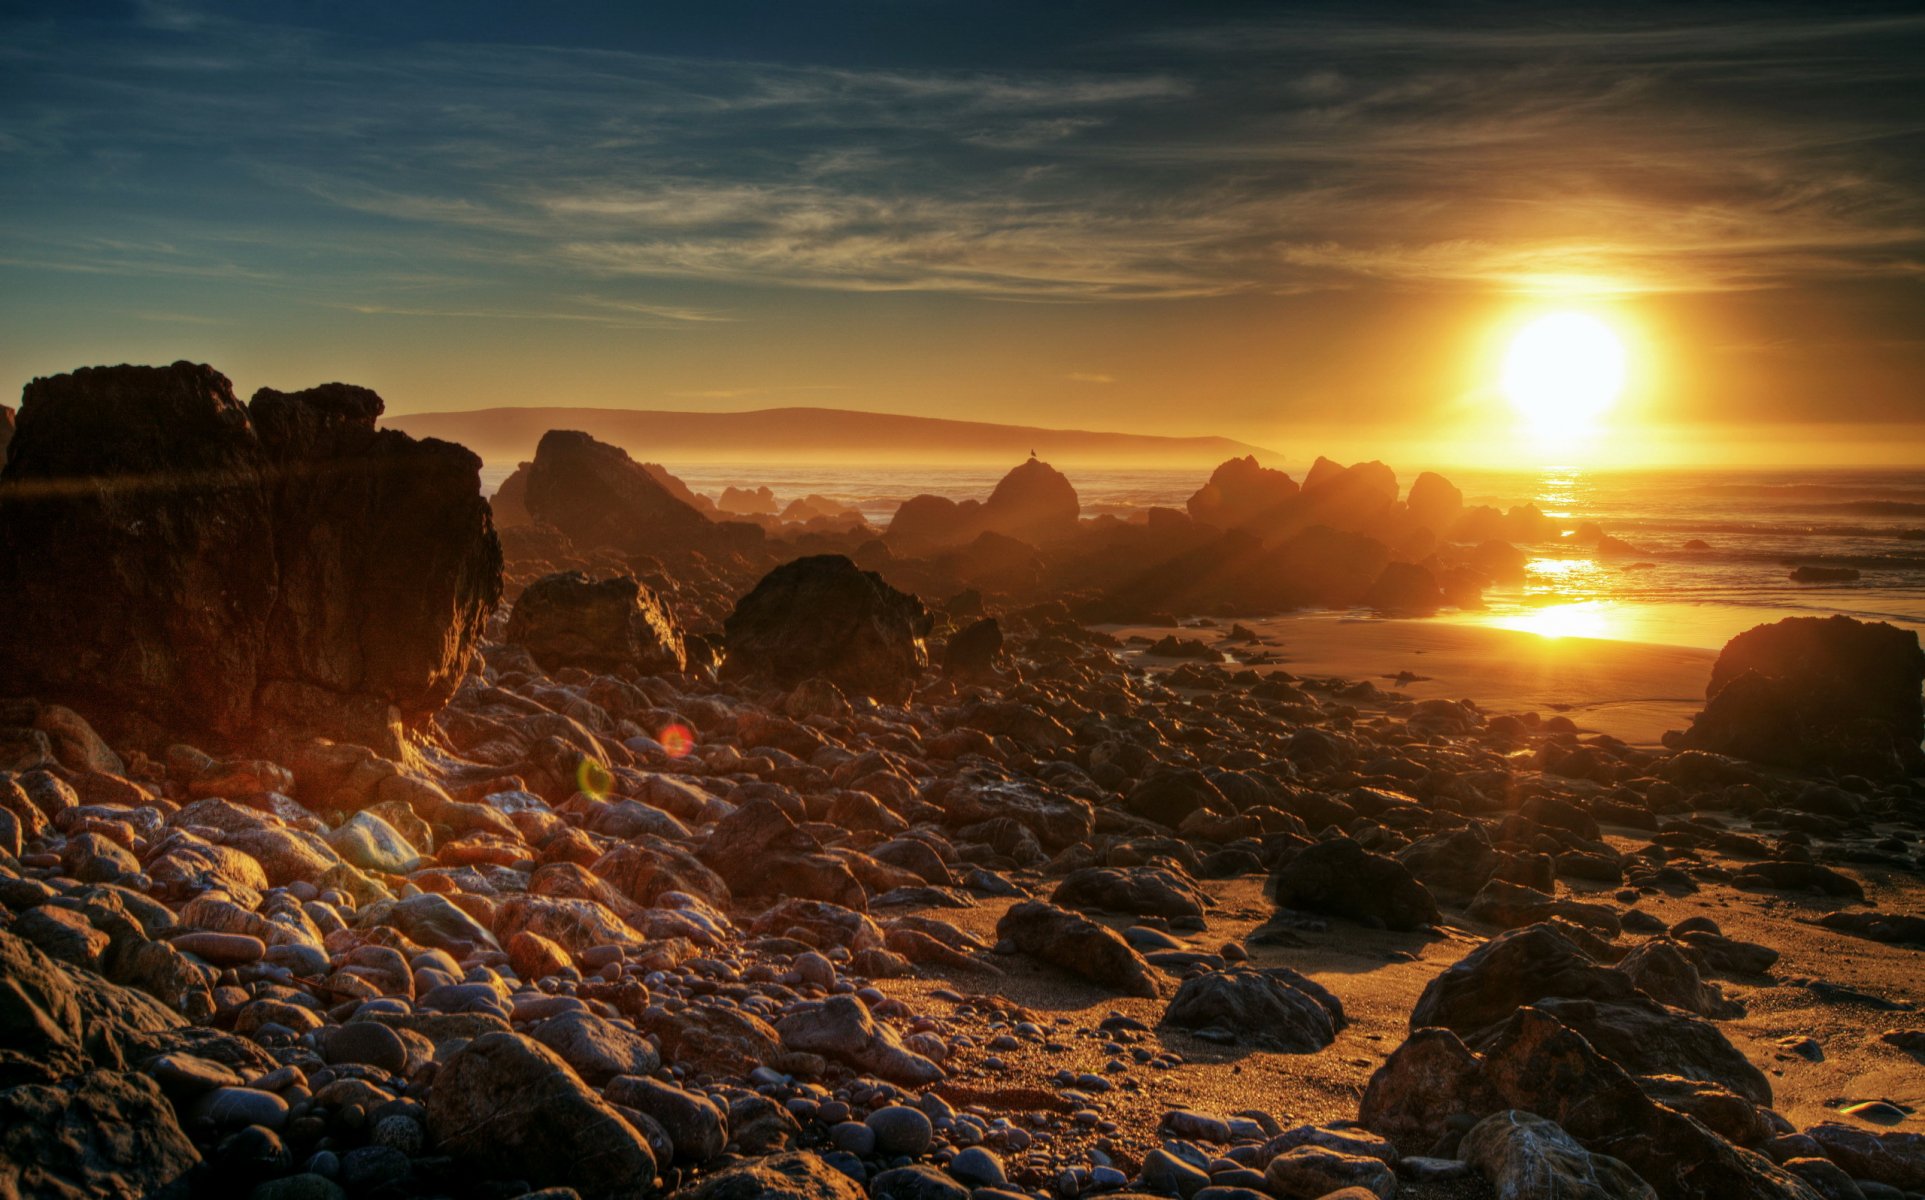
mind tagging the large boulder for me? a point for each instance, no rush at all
(104, 1134)
(795, 1176)
(1341, 878)
(599, 496)
(1435, 503)
(1538, 966)
(824, 616)
(1034, 503)
(510, 501)
(1525, 1156)
(1817, 693)
(1269, 1009)
(1433, 1083)
(278, 568)
(1347, 497)
(1072, 942)
(509, 1108)
(1239, 490)
(569, 620)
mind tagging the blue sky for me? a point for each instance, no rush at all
(1189, 218)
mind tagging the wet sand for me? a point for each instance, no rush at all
(1630, 690)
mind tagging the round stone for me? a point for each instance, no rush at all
(368, 1043)
(901, 1131)
(234, 1107)
(859, 1140)
(978, 1168)
(222, 949)
(401, 1133)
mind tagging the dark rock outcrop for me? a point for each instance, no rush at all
(1534, 1063)
(972, 651)
(1540, 966)
(1341, 878)
(1074, 943)
(1435, 503)
(568, 620)
(510, 501)
(824, 616)
(511, 1108)
(1034, 504)
(599, 496)
(1817, 693)
(1239, 491)
(1270, 1009)
(282, 567)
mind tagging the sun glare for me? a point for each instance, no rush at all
(1562, 373)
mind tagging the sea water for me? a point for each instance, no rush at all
(1758, 525)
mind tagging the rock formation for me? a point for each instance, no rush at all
(1812, 693)
(568, 620)
(510, 501)
(825, 616)
(598, 496)
(1034, 503)
(1239, 491)
(279, 568)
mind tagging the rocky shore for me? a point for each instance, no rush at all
(354, 846)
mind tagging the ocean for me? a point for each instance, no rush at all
(1757, 524)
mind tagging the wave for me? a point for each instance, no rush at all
(1872, 508)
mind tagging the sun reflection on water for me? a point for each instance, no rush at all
(1561, 594)
(1580, 618)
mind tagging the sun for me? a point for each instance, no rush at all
(1562, 373)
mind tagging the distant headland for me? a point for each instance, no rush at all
(799, 434)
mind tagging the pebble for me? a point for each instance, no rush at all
(901, 1131)
(234, 1107)
(978, 1168)
(222, 949)
(369, 1043)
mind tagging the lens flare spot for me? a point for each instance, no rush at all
(593, 778)
(677, 740)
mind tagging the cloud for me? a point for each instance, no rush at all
(1089, 377)
(1634, 152)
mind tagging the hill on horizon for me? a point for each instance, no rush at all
(507, 435)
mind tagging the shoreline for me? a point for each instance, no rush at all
(1634, 691)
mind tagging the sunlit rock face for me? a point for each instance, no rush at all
(6, 431)
(186, 566)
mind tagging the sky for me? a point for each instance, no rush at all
(1303, 226)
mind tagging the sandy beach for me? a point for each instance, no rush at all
(1630, 690)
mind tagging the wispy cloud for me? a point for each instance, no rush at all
(1089, 377)
(1634, 151)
